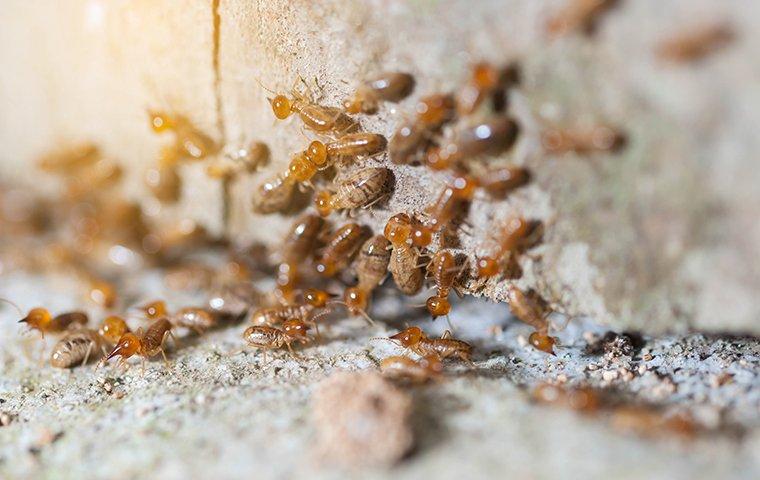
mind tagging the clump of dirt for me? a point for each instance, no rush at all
(361, 420)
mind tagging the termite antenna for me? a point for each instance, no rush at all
(361, 312)
(20, 312)
(265, 88)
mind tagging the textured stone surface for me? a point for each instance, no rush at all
(664, 236)
(215, 412)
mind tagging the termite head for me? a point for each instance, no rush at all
(543, 342)
(154, 310)
(464, 187)
(113, 328)
(326, 267)
(316, 298)
(438, 306)
(323, 203)
(356, 300)
(161, 122)
(432, 363)
(487, 267)
(408, 337)
(37, 319)
(353, 104)
(127, 346)
(281, 106)
(422, 235)
(295, 328)
(398, 229)
(317, 153)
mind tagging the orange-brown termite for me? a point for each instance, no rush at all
(42, 320)
(360, 144)
(69, 158)
(190, 141)
(582, 140)
(491, 136)
(164, 183)
(499, 182)
(530, 308)
(444, 269)
(242, 160)
(362, 189)
(371, 268)
(340, 249)
(485, 81)
(314, 116)
(405, 369)
(146, 344)
(407, 143)
(450, 202)
(269, 338)
(196, 319)
(445, 347)
(696, 43)
(404, 268)
(302, 238)
(112, 328)
(274, 195)
(578, 16)
(102, 175)
(584, 399)
(101, 292)
(388, 87)
(513, 236)
(75, 348)
(435, 110)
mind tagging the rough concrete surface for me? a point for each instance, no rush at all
(218, 413)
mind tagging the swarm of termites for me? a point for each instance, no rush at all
(329, 259)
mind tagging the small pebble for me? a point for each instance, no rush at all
(609, 375)
(647, 357)
(5, 419)
(642, 369)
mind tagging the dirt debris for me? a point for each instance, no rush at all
(362, 420)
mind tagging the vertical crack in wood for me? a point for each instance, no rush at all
(217, 23)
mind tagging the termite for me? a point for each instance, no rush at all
(234, 299)
(405, 369)
(302, 238)
(371, 268)
(499, 182)
(316, 117)
(513, 236)
(196, 319)
(70, 158)
(192, 142)
(274, 195)
(164, 183)
(146, 344)
(340, 249)
(485, 81)
(444, 270)
(388, 87)
(450, 202)
(101, 292)
(414, 339)
(696, 43)
(398, 229)
(41, 320)
(487, 137)
(405, 270)
(530, 308)
(433, 111)
(242, 160)
(75, 348)
(268, 338)
(112, 328)
(578, 16)
(104, 174)
(360, 144)
(407, 142)
(582, 140)
(362, 189)
(584, 399)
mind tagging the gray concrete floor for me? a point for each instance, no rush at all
(211, 414)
